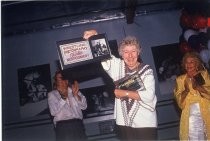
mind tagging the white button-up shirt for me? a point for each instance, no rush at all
(67, 109)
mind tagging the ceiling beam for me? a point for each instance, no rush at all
(130, 9)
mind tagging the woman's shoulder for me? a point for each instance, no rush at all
(145, 66)
(53, 92)
(145, 69)
(113, 59)
(181, 77)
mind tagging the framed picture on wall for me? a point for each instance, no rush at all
(167, 59)
(77, 51)
(100, 101)
(34, 83)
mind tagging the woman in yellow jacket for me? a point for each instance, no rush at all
(192, 93)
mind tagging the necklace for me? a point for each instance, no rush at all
(128, 70)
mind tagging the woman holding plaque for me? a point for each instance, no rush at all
(135, 98)
(192, 93)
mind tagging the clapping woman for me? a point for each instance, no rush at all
(192, 93)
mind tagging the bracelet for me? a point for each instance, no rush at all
(127, 94)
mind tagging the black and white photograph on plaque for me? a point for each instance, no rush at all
(99, 47)
(132, 83)
(100, 101)
(34, 83)
(167, 60)
(77, 51)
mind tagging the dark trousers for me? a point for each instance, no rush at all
(126, 133)
(70, 130)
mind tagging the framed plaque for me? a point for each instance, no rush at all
(77, 51)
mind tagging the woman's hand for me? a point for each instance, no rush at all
(75, 89)
(120, 93)
(186, 86)
(126, 94)
(87, 34)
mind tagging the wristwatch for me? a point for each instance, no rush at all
(127, 94)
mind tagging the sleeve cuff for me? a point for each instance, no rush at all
(62, 101)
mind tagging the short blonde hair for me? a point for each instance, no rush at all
(196, 57)
(129, 40)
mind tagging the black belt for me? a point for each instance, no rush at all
(68, 121)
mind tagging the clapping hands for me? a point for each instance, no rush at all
(75, 88)
(186, 86)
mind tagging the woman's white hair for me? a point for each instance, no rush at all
(129, 40)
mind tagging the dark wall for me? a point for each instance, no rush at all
(22, 51)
